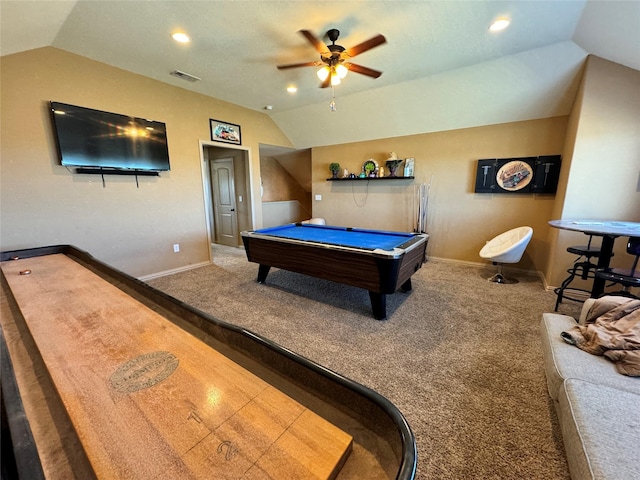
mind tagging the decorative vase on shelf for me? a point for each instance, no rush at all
(334, 168)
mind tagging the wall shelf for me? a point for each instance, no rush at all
(358, 179)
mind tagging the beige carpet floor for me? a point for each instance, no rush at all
(459, 356)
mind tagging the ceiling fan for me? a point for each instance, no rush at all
(334, 59)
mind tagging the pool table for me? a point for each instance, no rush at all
(379, 261)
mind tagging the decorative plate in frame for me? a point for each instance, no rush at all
(514, 175)
(371, 161)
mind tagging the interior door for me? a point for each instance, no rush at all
(224, 202)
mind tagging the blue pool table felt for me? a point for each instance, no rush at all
(342, 236)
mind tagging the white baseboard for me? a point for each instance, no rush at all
(172, 271)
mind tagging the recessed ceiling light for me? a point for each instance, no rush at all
(499, 24)
(181, 37)
(292, 89)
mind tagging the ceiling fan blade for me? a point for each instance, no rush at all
(326, 82)
(366, 45)
(313, 40)
(363, 70)
(296, 65)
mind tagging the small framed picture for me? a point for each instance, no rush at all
(225, 132)
(408, 167)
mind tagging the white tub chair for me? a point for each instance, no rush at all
(507, 247)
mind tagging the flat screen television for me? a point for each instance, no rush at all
(104, 142)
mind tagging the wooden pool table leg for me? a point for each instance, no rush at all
(263, 271)
(378, 305)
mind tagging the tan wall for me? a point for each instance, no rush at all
(42, 203)
(459, 220)
(279, 188)
(298, 164)
(279, 185)
(603, 182)
(130, 228)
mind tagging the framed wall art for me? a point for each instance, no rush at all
(225, 132)
(408, 167)
(518, 175)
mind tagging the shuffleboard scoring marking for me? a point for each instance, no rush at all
(149, 400)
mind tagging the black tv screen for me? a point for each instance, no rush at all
(100, 140)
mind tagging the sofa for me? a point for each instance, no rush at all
(598, 408)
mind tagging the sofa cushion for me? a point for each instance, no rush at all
(562, 361)
(600, 429)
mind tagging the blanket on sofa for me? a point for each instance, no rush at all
(612, 331)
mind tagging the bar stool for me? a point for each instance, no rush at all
(582, 267)
(627, 277)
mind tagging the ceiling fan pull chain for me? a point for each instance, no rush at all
(332, 105)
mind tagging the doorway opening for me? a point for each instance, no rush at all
(227, 192)
(230, 206)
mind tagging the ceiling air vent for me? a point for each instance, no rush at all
(185, 76)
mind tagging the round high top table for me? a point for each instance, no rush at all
(609, 231)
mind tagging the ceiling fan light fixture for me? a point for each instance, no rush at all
(341, 70)
(334, 59)
(323, 73)
(335, 79)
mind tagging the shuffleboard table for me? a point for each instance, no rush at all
(379, 261)
(104, 376)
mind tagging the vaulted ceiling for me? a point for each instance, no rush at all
(442, 68)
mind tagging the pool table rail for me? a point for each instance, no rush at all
(396, 252)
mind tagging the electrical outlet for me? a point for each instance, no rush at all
(176, 247)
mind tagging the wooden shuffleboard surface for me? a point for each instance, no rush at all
(148, 400)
